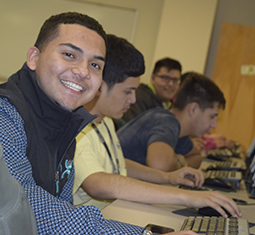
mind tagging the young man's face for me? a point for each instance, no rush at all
(166, 83)
(69, 69)
(205, 120)
(116, 101)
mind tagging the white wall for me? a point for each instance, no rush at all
(185, 32)
(20, 22)
(176, 28)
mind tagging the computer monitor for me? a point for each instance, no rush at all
(249, 174)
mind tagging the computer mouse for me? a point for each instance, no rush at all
(218, 182)
(209, 211)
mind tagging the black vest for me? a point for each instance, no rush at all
(50, 129)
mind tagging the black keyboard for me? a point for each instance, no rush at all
(227, 165)
(222, 154)
(230, 165)
(213, 225)
(230, 176)
(217, 154)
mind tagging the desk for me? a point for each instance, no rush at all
(143, 214)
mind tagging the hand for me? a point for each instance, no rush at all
(199, 144)
(184, 232)
(214, 199)
(186, 176)
(221, 141)
(224, 143)
(229, 144)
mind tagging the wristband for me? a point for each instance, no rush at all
(179, 160)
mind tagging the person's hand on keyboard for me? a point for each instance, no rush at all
(214, 199)
(186, 176)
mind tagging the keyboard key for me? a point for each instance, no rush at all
(206, 225)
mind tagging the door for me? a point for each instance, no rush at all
(234, 73)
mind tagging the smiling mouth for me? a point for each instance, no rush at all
(72, 86)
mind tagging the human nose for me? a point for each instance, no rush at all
(132, 99)
(171, 82)
(81, 70)
(214, 123)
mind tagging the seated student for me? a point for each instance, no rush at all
(100, 169)
(213, 140)
(194, 113)
(163, 86)
(41, 113)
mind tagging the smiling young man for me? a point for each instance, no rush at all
(194, 113)
(41, 113)
(101, 172)
(163, 86)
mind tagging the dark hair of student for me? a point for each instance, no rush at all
(168, 63)
(198, 88)
(50, 29)
(123, 60)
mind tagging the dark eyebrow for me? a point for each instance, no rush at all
(72, 46)
(99, 58)
(80, 50)
(131, 88)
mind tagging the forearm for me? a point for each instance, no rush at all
(110, 186)
(158, 194)
(138, 171)
(144, 192)
(126, 188)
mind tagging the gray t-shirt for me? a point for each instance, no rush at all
(153, 125)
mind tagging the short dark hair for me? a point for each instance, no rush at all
(50, 29)
(168, 63)
(123, 60)
(198, 88)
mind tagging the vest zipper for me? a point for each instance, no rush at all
(57, 183)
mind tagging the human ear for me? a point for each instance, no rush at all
(193, 108)
(98, 91)
(32, 56)
(152, 78)
(103, 89)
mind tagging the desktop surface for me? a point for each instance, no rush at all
(168, 215)
(143, 214)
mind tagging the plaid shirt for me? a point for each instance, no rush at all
(53, 216)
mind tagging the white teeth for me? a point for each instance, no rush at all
(72, 85)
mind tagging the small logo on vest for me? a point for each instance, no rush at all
(68, 166)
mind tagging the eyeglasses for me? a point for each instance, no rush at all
(167, 79)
